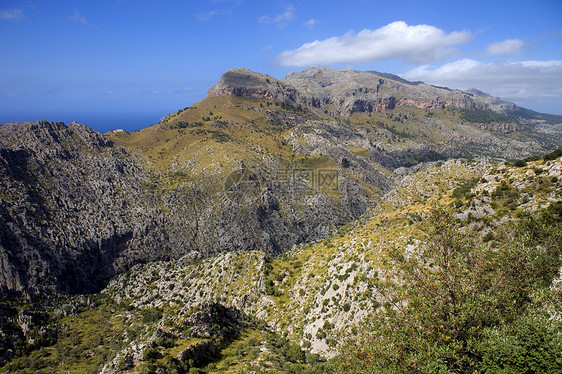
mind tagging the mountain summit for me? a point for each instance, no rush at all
(344, 92)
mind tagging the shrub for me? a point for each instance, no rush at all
(553, 155)
(295, 353)
(151, 315)
(489, 236)
(321, 334)
(220, 137)
(151, 355)
(465, 188)
(461, 308)
(529, 345)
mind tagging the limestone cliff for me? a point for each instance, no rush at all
(344, 92)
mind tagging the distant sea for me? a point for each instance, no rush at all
(99, 121)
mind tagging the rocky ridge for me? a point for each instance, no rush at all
(427, 119)
(67, 195)
(344, 92)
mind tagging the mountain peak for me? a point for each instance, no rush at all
(341, 92)
(241, 77)
(247, 83)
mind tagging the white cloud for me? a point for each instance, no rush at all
(267, 48)
(76, 17)
(280, 20)
(311, 23)
(511, 47)
(11, 14)
(397, 40)
(516, 81)
(205, 16)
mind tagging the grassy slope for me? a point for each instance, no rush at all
(242, 120)
(220, 129)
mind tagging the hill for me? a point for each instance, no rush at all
(258, 228)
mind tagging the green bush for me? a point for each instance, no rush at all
(151, 355)
(221, 137)
(532, 158)
(489, 236)
(295, 354)
(465, 188)
(466, 308)
(531, 344)
(151, 315)
(553, 155)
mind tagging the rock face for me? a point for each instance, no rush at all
(76, 209)
(344, 92)
(68, 197)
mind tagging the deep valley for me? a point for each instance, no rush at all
(334, 221)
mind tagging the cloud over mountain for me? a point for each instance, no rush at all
(509, 80)
(397, 40)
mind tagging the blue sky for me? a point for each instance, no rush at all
(125, 64)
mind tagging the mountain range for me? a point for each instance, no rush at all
(254, 205)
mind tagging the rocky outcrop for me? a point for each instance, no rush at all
(343, 92)
(77, 209)
(67, 193)
(493, 103)
(246, 83)
(499, 127)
